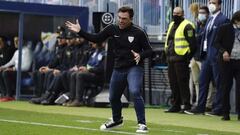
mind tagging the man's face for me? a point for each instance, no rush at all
(79, 40)
(216, 4)
(124, 20)
(177, 12)
(70, 41)
(61, 41)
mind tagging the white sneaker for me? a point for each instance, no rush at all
(142, 128)
(111, 124)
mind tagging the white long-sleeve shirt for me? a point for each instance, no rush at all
(26, 60)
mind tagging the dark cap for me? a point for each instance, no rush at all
(71, 35)
(62, 35)
(60, 28)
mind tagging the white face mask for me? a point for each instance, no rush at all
(237, 26)
(212, 8)
(202, 17)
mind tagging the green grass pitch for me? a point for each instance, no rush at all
(23, 118)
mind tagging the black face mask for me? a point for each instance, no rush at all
(177, 19)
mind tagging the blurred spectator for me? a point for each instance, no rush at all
(42, 77)
(91, 73)
(9, 71)
(228, 43)
(194, 9)
(210, 66)
(195, 63)
(6, 52)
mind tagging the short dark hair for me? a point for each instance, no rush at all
(127, 9)
(205, 8)
(236, 16)
(219, 2)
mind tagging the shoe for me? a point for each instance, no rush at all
(213, 114)
(193, 111)
(50, 100)
(47, 102)
(185, 108)
(111, 124)
(40, 99)
(142, 128)
(75, 103)
(173, 109)
(225, 117)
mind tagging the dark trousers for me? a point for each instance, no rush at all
(39, 80)
(55, 85)
(8, 82)
(133, 77)
(178, 73)
(228, 71)
(66, 80)
(83, 79)
(209, 71)
(2, 85)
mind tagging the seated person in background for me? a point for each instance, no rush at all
(43, 77)
(92, 72)
(80, 58)
(6, 52)
(9, 71)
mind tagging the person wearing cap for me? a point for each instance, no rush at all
(43, 77)
(81, 54)
(56, 85)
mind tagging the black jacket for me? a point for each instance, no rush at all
(6, 53)
(225, 39)
(57, 59)
(125, 40)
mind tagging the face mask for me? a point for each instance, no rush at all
(212, 8)
(238, 26)
(202, 17)
(177, 19)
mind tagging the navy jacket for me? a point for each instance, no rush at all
(212, 51)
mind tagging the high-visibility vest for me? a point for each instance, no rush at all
(181, 46)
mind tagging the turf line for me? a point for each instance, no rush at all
(64, 126)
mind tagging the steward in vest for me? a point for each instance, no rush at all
(180, 46)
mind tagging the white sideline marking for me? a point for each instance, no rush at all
(64, 126)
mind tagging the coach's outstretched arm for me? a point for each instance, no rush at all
(94, 37)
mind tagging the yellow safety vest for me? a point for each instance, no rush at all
(181, 46)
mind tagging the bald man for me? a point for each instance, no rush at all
(180, 46)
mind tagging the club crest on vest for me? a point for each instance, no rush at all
(130, 39)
